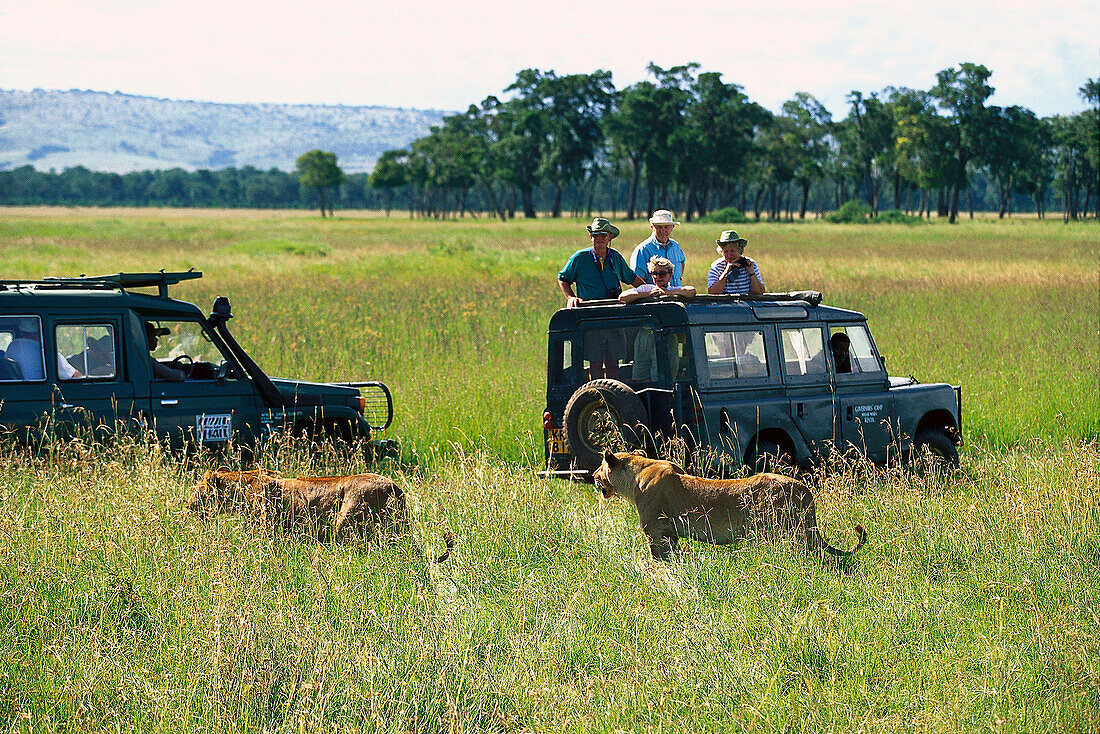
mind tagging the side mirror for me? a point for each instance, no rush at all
(222, 310)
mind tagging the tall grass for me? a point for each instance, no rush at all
(973, 606)
(453, 314)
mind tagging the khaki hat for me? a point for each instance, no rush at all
(662, 216)
(730, 236)
(599, 224)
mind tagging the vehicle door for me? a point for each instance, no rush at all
(92, 389)
(865, 405)
(740, 387)
(25, 394)
(198, 392)
(806, 374)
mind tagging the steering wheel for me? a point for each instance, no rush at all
(183, 362)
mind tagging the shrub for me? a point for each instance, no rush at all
(895, 217)
(850, 212)
(727, 215)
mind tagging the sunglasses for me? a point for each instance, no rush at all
(601, 236)
(662, 272)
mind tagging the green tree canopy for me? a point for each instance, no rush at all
(317, 169)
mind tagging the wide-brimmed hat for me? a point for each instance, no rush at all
(662, 216)
(730, 236)
(599, 224)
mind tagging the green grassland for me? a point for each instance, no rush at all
(973, 606)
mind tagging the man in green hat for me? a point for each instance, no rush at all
(598, 272)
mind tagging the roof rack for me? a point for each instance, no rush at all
(121, 281)
(811, 298)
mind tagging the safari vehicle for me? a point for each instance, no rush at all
(94, 352)
(738, 380)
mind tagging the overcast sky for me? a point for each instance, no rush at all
(447, 54)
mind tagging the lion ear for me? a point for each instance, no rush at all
(610, 458)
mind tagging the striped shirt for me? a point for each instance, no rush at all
(738, 282)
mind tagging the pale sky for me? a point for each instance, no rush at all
(436, 54)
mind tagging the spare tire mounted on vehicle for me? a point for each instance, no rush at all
(603, 414)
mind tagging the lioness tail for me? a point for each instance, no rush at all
(840, 553)
(449, 541)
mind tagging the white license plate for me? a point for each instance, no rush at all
(213, 427)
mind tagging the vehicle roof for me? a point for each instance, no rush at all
(87, 295)
(708, 309)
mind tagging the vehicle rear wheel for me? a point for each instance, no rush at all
(933, 449)
(767, 455)
(603, 414)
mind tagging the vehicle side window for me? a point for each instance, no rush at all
(186, 346)
(852, 350)
(89, 350)
(21, 354)
(561, 361)
(803, 351)
(735, 354)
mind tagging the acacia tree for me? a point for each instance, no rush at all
(869, 137)
(391, 171)
(1012, 146)
(317, 169)
(642, 123)
(569, 109)
(715, 137)
(963, 93)
(810, 125)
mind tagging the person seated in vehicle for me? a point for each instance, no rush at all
(597, 273)
(660, 270)
(733, 272)
(748, 364)
(97, 360)
(161, 371)
(26, 351)
(842, 356)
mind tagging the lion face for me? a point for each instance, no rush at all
(611, 479)
(222, 491)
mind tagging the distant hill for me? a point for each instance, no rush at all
(51, 129)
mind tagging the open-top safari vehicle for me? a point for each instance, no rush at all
(736, 380)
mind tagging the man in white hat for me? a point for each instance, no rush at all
(659, 244)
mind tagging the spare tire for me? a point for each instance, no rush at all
(603, 414)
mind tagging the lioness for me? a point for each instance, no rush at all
(314, 502)
(673, 504)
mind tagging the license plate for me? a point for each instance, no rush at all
(213, 427)
(556, 441)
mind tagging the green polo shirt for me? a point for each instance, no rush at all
(589, 281)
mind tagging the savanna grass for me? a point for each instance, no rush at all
(971, 608)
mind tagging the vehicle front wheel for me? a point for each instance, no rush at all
(603, 414)
(933, 448)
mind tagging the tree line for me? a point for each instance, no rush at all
(688, 140)
(681, 139)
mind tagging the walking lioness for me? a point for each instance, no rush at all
(315, 503)
(673, 504)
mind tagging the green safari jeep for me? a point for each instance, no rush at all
(93, 352)
(740, 380)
